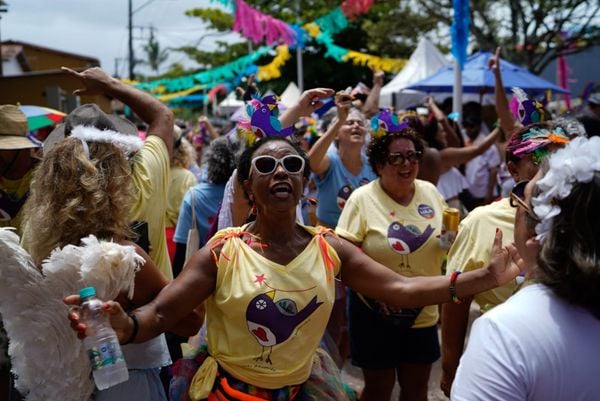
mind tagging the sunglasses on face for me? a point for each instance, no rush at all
(517, 196)
(264, 165)
(397, 159)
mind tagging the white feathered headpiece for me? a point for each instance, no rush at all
(48, 359)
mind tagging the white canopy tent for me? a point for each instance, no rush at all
(290, 95)
(425, 60)
(230, 104)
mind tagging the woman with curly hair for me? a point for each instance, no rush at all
(542, 344)
(83, 187)
(396, 220)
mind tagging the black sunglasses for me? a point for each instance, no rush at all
(517, 196)
(264, 165)
(397, 159)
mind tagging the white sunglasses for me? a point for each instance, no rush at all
(265, 165)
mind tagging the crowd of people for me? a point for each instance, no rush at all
(272, 252)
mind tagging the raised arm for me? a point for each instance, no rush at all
(440, 117)
(158, 116)
(317, 155)
(374, 280)
(457, 156)
(308, 103)
(371, 106)
(507, 122)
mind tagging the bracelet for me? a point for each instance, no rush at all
(455, 297)
(136, 327)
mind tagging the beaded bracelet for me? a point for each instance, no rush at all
(455, 297)
(136, 327)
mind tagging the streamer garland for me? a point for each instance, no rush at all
(259, 27)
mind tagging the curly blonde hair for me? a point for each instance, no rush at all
(73, 196)
(184, 154)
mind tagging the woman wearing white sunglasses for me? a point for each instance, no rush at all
(269, 287)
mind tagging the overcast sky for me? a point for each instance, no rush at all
(99, 28)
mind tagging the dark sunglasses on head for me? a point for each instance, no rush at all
(396, 159)
(517, 199)
(293, 164)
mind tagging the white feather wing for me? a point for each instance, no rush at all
(47, 357)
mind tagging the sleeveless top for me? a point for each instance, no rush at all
(265, 320)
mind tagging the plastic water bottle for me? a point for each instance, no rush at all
(101, 343)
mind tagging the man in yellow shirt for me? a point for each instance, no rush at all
(149, 167)
(473, 244)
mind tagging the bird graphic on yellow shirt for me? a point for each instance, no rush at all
(273, 322)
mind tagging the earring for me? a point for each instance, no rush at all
(253, 210)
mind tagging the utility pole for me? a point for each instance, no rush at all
(130, 29)
(3, 9)
(299, 65)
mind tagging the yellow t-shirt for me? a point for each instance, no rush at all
(16, 189)
(473, 245)
(150, 175)
(181, 180)
(265, 320)
(403, 238)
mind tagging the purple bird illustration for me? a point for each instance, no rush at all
(273, 322)
(527, 111)
(343, 195)
(263, 123)
(407, 239)
(387, 121)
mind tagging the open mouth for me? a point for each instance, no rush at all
(281, 190)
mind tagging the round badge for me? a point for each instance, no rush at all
(426, 211)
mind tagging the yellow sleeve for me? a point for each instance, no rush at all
(352, 225)
(463, 255)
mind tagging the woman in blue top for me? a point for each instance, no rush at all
(221, 162)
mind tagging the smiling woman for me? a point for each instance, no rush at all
(401, 232)
(269, 290)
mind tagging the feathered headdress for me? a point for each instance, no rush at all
(535, 141)
(386, 122)
(263, 120)
(575, 163)
(526, 111)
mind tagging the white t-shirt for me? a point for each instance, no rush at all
(533, 347)
(451, 183)
(477, 171)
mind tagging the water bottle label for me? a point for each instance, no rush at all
(105, 353)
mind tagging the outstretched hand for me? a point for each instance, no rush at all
(311, 100)
(119, 320)
(505, 261)
(94, 80)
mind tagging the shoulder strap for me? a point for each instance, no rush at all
(193, 209)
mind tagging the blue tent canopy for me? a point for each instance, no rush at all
(478, 78)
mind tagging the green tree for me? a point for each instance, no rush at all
(155, 55)
(532, 33)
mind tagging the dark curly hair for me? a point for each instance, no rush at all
(222, 159)
(569, 262)
(243, 169)
(379, 147)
